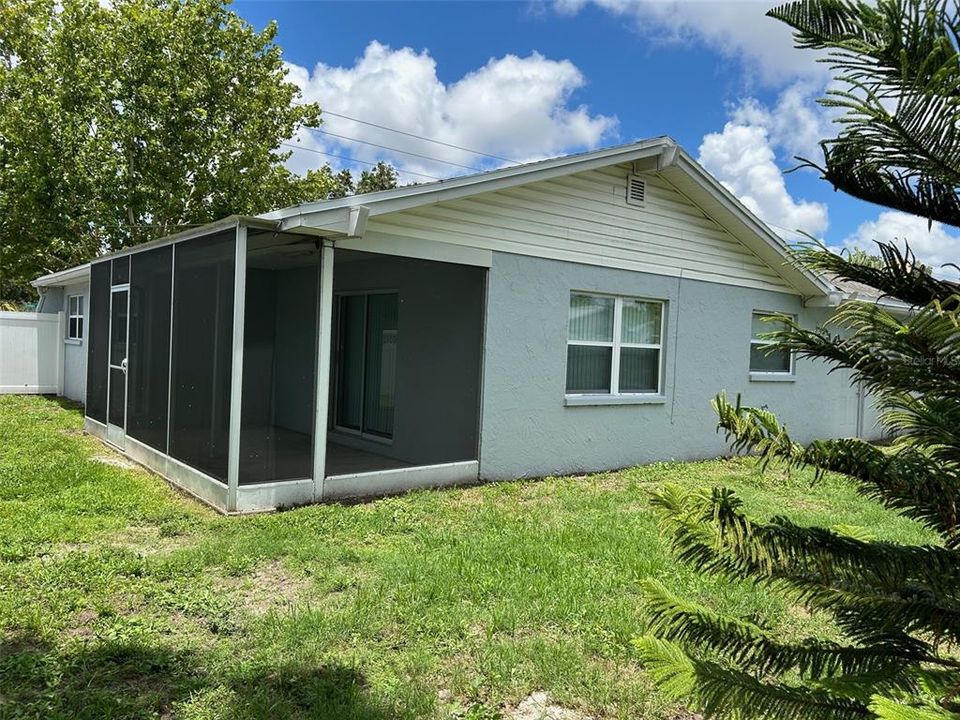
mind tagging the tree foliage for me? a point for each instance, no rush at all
(896, 608)
(124, 121)
(897, 68)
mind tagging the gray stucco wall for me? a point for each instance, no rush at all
(440, 332)
(526, 428)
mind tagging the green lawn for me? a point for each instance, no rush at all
(119, 597)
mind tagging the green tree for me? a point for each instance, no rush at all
(126, 121)
(896, 608)
(381, 177)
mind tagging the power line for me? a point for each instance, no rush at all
(418, 137)
(395, 149)
(324, 111)
(347, 158)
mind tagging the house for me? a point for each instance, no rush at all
(561, 316)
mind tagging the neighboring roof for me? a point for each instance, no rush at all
(854, 289)
(347, 216)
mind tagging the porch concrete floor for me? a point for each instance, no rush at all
(343, 460)
(270, 453)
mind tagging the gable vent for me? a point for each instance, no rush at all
(636, 190)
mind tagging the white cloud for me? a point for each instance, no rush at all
(737, 30)
(512, 107)
(933, 245)
(796, 123)
(742, 158)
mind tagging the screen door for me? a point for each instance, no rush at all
(117, 369)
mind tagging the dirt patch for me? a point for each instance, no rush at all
(684, 715)
(539, 706)
(146, 540)
(268, 587)
(82, 626)
(115, 461)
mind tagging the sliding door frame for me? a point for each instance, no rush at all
(338, 345)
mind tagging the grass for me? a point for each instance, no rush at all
(120, 598)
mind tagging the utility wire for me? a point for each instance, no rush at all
(347, 158)
(324, 111)
(395, 149)
(418, 137)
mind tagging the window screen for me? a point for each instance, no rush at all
(98, 342)
(202, 352)
(148, 354)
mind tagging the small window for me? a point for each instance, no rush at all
(75, 317)
(762, 358)
(614, 345)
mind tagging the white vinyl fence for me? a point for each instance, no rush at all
(31, 353)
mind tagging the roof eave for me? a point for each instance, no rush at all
(63, 277)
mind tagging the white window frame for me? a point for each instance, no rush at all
(79, 315)
(759, 341)
(617, 344)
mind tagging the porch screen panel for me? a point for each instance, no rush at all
(121, 270)
(279, 367)
(148, 353)
(98, 341)
(381, 364)
(202, 352)
(350, 361)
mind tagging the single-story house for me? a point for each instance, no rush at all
(562, 316)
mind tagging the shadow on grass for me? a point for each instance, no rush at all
(124, 679)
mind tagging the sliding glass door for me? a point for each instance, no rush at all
(366, 363)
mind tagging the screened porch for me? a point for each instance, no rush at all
(259, 369)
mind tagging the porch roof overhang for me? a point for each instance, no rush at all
(82, 272)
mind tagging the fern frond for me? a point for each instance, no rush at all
(753, 649)
(719, 692)
(912, 482)
(887, 709)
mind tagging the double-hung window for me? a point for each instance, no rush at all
(614, 345)
(75, 317)
(764, 360)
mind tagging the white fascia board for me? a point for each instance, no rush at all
(317, 214)
(80, 273)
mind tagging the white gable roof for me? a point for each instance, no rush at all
(347, 216)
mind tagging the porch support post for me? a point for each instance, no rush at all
(322, 403)
(236, 367)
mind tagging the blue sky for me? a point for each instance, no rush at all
(532, 79)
